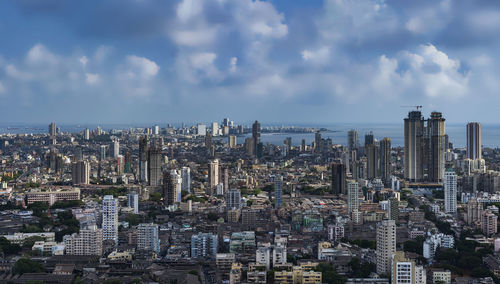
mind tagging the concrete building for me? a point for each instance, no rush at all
(80, 172)
(386, 245)
(450, 192)
(352, 196)
(489, 223)
(87, 242)
(110, 218)
(147, 237)
(133, 201)
(52, 196)
(203, 245)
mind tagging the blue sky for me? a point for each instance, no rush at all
(305, 61)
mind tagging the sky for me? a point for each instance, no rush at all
(303, 61)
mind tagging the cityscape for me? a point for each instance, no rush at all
(249, 141)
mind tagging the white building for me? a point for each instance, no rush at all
(386, 245)
(435, 241)
(450, 192)
(202, 129)
(263, 256)
(186, 179)
(87, 242)
(133, 202)
(352, 196)
(110, 218)
(335, 232)
(147, 237)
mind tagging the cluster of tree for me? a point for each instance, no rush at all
(68, 223)
(361, 243)
(115, 191)
(467, 256)
(329, 274)
(443, 227)
(416, 246)
(9, 248)
(27, 265)
(315, 190)
(246, 192)
(361, 269)
(66, 204)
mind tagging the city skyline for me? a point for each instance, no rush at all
(276, 60)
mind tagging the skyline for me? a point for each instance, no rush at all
(298, 61)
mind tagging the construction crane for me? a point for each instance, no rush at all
(417, 107)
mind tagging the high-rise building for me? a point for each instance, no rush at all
(474, 140)
(385, 159)
(87, 242)
(386, 245)
(404, 270)
(143, 158)
(202, 129)
(489, 223)
(133, 201)
(450, 192)
(80, 172)
(115, 149)
(203, 245)
(233, 199)
(120, 164)
(215, 129)
(352, 196)
(474, 211)
(177, 182)
(436, 151)
(393, 209)
(278, 185)
(52, 129)
(147, 237)
(154, 166)
(372, 160)
(86, 134)
(352, 140)
(231, 140)
(102, 152)
(318, 142)
(168, 188)
(156, 130)
(186, 179)
(256, 137)
(110, 218)
(413, 154)
(213, 173)
(338, 178)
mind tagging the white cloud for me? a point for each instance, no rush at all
(91, 79)
(233, 64)
(2, 88)
(83, 61)
(142, 67)
(320, 56)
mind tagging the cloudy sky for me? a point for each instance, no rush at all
(277, 61)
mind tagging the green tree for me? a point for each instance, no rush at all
(329, 274)
(27, 265)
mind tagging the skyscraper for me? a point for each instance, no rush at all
(143, 158)
(256, 138)
(110, 218)
(133, 201)
(52, 129)
(386, 245)
(338, 178)
(352, 196)
(154, 166)
(372, 160)
(102, 152)
(147, 237)
(177, 182)
(232, 141)
(450, 192)
(80, 172)
(385, 159)
(436, 160)
(115, 149)
(278, 185)
(215, 129)
(233, 199)
(352, 139)
(168, 189)
(393, 209)
(474, 140)
(413, 154)
(186, 179)
(213, 173)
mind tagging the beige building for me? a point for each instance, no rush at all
(404, 270)
(298, 275)
(87, 242)
(386, 245)
(52, 196)
(441, 275)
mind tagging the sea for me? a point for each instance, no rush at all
(337, 132)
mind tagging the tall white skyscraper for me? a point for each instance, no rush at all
(115, 149)
(215, 129)
(213, 173)
(450, 192)
(202, 129)
(147, 237)
(186, 178)
(133, 201)
(386, 245)
(474, 132)
(177, 185)
(156, 130)
(352, 196)
(110, 218)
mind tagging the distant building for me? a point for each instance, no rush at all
(338, 178)
(489, 223)
(147, 237)
(278, 185)
(474, 141)
(404, 270)
(110, 218)
(115, 149)
(87, 242)
(186, 179)
(80, 172)
(52, 196)
(203, 245)
(450, 192)
(133, 201)
(386, 245)
(352, 196)
(233, 199)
